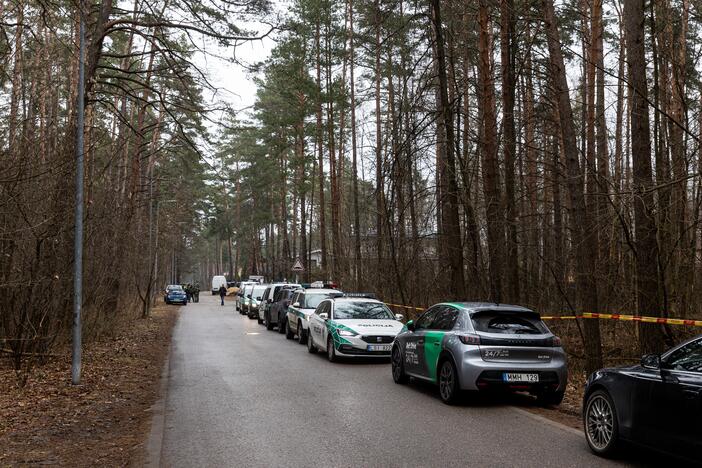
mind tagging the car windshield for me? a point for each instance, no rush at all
(516, 323)
(313, 300)
(175, 287)
(362, 310)
(258, 291)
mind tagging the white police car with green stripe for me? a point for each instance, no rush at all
(304, 302)
(353, 326)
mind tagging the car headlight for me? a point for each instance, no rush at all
(255, 306)
(347, 333)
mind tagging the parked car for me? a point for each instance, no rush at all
(352, 327)
(218, 281)
(657, 403)
(480, 346)
(278, 311)
(245, 298)
(270, 299)
(254, 300)
(304, 302)
(175, 294)
(239, 300)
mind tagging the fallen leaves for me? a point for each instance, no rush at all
(49, 421)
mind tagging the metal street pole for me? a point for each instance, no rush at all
(78, 241)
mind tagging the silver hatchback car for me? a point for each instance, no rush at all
(482, 346)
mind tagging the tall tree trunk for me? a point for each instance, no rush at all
(379, 167)
(491, 172)
(354, 156)
(583, 242)
(320, 153)
(452, 250)
(507, 48)
(647, 287)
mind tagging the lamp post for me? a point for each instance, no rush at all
(78, 239)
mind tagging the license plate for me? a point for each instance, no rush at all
(380, 347)
(529, 378)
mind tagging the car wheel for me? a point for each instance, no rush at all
(289, 335)
(398, 367)
(260, 321)
(550, 398)
(269, 325)
(301, 335)
(448, 382)
(331, 351)
(281, 325)
(601, 426)
(311, 348)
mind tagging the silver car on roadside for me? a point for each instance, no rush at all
(482, 347)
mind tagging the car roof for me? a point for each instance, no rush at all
(492, 306)
(293, 285)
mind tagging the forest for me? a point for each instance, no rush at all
(531, 152)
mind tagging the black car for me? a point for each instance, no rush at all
(278, 309)
(657, 403)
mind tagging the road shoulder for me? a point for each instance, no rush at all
(104, 421)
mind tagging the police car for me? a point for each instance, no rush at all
(351, 326)
(304, 302)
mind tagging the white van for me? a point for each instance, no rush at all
(218, 281)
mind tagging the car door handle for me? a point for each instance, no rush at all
(436, 343)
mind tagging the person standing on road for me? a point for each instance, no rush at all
(189, 292)
(222, 293)
(196, 292)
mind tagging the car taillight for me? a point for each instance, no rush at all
(469, 339)
(555, 342)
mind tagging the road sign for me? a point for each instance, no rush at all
(297, 266)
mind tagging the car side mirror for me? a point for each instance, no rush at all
(270, 301)
(324, 316)
(399, 317)
(249, 296)
(297, 304)
(651, 361)
(410, 325)
(258, 298)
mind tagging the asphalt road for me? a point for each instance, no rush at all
(238, 395)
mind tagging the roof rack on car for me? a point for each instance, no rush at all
(360, 294)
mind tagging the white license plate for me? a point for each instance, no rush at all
(510, 377)
(379, 347)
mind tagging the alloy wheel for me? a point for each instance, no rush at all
(396, 364)
(446, 381)
(599, 422)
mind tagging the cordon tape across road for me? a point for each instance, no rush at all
(588, 315)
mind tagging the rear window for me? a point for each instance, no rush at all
(517, 323)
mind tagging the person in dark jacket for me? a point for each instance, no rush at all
(222, 293)
(196, 292)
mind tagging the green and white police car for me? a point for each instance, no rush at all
(303, 304)
(352, 326)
